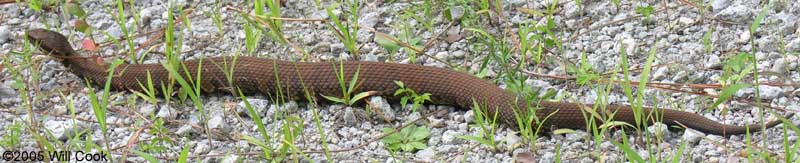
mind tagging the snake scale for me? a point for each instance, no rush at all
(258, 75)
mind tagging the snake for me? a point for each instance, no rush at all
(296, 80)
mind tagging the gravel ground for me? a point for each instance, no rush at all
(599, 30)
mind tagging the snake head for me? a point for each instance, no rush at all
(50, 42)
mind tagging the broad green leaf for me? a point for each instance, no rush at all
(184, 154)
(399, 84)
(334, 99)
(418, 145)
(419, 133)
(359, 96)
(146, 156)
(563, 131)
(390, 46)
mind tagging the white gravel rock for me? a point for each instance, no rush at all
(718, 5)
(217, 122)
(349, 117)
(185, 130)
(469, 117)
(5, 34)
(167, 112)
(147, 109)
(658, 128)
(736, 13)
(257, 104)
(793, 45)
(765, 92)
(512, 141)
(427, 154)
(770, 92)
(381, 104)
(231, 158)
(201, 148)
(62, 130)
(449, 137)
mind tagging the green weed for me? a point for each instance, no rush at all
(408, 93)
(409, 139)
(347, 88)
(487, 127)
(347, 33)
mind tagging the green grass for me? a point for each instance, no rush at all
(121, 20)
(99, 106)
(753, 29)
(149, 93)
(486, 121)
(346, 31)
(348, 97)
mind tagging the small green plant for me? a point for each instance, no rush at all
(646, 11)
(347, 90)
(484, 6)
(408, 139)
(146, 156)
(10, 140)
(676, 157)
(708, 44)
(160, 142)
(487, 127)
(119, 18)
(791, 148)
(184, 153)
(387, 43)
(426, 19)
(291, 129)
(754, 65)
(215, 15)
(315, 116)
(100, 106)
(407, 36)
(629, 152)
(535, 39)
(257, 119)
(252, 37)
(346, 32)
(584, 74)
(149, 91)
(408, 93)
(275, 25)
(190, 81)
(734, 70)
(617, 4)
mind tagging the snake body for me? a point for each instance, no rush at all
(293, 79)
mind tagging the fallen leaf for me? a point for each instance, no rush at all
(524, 157)
(89, 44)
(453, 35)
(81, 26)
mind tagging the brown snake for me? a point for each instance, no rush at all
(258, 75)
